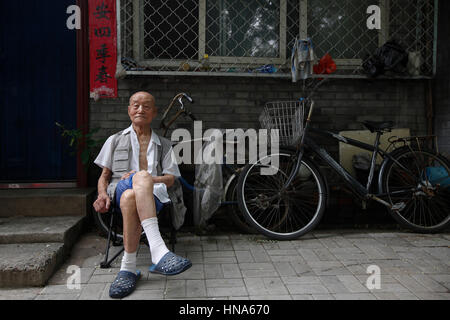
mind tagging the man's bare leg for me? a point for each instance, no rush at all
(143, 190)
(131, 230)
(131, 223)
(146, 208)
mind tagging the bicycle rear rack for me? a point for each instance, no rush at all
(429, 142)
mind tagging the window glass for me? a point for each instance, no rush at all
(340, 28)
(237, 28)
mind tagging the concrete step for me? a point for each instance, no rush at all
(46, 202)
(40, 229)
(29, 264)
(32, 248)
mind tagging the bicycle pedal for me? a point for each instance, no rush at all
(399, 206)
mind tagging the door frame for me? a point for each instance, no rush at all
(82, 84)
(82, 104)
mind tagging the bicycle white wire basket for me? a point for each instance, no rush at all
(284, 121)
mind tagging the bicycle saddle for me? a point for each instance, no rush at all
(374, 126)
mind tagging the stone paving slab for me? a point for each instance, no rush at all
(325, 265)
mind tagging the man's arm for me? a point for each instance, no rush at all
(104, 180)
(102, 204)
(167, 179)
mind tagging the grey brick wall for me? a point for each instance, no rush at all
(442, 81)
(237, 102)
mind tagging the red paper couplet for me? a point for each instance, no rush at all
(103, 48)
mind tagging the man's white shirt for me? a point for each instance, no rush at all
(169, 164)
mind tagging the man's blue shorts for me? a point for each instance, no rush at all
(127, 184)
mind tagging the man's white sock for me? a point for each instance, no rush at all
(129, 262)
(157, 246)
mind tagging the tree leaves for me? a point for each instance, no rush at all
(81, 142)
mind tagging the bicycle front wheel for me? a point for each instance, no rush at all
(278, 213)
(417, 182)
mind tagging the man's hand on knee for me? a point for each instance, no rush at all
(102, 204)
(127, 175)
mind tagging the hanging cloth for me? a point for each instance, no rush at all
(302, 59)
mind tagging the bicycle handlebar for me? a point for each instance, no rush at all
(188, 97)
(179, 97)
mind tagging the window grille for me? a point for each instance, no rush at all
(241, 36)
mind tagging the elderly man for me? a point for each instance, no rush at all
(138, 167)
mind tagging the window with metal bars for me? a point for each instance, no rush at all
(239, 36)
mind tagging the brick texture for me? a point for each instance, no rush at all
(232, 102)
(222, 102)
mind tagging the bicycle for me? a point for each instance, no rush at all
(230, 172)
(413, 182)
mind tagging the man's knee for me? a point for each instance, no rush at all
(128, 199)
(143, 179)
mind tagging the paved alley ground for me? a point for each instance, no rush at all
(325, 264)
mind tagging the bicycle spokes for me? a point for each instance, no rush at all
(423, 188)
(278, 209)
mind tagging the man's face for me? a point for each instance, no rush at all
(142, 109)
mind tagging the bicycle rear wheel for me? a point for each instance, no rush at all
(418, 182)
(277, 213)
(103, 221)
(235, 213)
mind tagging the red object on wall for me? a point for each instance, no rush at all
(326, 65)
(103, 48)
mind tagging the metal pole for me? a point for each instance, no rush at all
(436, 18)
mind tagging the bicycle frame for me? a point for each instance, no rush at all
(179, 97)
(360, 190)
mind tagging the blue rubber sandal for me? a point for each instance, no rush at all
(124, 284)
(171, 265)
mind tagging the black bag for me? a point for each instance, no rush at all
(390, 57)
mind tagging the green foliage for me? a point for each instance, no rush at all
(76, 138)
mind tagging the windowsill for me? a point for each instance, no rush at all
(267, 75)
